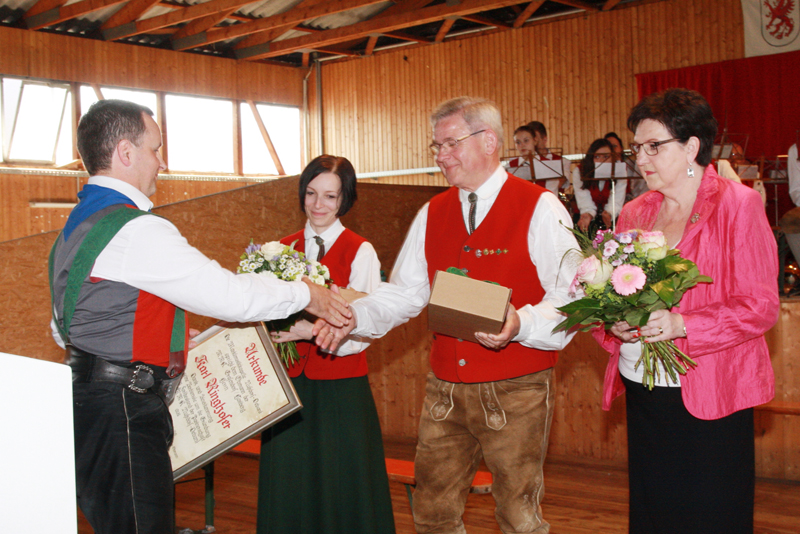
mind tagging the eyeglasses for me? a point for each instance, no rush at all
(650, 148)
(603, 157)
(450, 144)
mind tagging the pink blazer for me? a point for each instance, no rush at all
(731, 241)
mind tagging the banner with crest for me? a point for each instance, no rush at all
(771, 26)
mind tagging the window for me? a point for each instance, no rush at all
(283, 126)
(199, 133)
(36, 128)
(35, 122)
(143, 98)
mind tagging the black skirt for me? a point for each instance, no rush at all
(323, 468)
(686, 474)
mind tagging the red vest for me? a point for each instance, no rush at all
(315, 364)
(600, 198)
(502, 240)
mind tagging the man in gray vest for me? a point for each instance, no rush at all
(121, 280)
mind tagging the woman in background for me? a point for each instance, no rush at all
(525, 143)
(322, 468)
(594, 197)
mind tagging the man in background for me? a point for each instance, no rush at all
(543, 153)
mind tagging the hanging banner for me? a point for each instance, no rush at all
(771, 26)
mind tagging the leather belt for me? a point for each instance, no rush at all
(139, 378)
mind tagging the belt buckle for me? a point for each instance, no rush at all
(132, 386)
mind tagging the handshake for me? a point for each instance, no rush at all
(335, 319)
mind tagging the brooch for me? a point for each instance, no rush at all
(695, 218)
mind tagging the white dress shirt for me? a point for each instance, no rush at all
(583, 197)
(793, 171)
(149, 253)
(408, 292)
(365, 275)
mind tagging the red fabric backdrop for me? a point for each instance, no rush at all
(759, 96)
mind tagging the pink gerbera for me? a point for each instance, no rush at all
(628, 279)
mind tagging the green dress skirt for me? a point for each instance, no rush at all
(322, 468)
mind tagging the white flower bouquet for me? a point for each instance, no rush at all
(283, 262)
(625, 277)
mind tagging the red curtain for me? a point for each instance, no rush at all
(759, 96)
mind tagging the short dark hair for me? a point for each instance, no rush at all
(102, 128)
(587, 164)
(339, 166)
(537, 126)
(614, 136)
(684, 113)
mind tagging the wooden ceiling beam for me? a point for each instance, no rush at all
(373, 40)
(276, 24)
(486, 21)
(43, 5)
(444, 28)
(403, 36)
(337, 52)
(202, 24)
(64, 13)
(170, 19)
(129, 12)
(579, 4)
(610, 4)
(527, 13)
(363, 29)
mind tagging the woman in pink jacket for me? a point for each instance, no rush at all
(691, 445)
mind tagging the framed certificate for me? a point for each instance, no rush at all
(234, 387)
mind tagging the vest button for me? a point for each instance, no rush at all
(462, 362)
(466, 248)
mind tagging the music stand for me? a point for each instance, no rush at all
(611, 171)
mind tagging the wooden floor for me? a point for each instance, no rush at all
(580, 498)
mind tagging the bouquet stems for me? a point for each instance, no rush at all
(672, 360)
(288, 349)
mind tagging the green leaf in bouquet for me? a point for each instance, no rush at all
(637, 317)
(584, 241)
(580, 304)
(676, 264)
(665, 289)
(648, 298)
(582, 316)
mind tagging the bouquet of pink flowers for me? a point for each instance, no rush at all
(283, 262)
(625, 277)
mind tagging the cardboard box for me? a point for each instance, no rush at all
(460, 306)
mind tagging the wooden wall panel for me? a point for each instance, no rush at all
(575, 74)
(18, 219)
(57, 57)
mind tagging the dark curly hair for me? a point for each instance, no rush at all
(684, 113)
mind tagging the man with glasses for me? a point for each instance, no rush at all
(492, 395)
